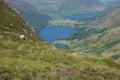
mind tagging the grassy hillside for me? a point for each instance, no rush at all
(32, 59)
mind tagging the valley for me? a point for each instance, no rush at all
(34, 59)
(95, 32)
(96, 35)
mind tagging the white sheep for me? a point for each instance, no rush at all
(11, 26)
(22, 37)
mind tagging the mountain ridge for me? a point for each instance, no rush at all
(53, 8)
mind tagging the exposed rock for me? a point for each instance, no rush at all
(1, 1)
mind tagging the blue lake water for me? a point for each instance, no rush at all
(52, 33)
(80, 16)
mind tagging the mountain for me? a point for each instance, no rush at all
(33, 59)
(29, 12)
(111, 2)
(66, 7)
(98, 35)
(20, 5)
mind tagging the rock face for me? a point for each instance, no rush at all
(1, 1)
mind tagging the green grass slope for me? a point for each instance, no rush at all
(32, 59)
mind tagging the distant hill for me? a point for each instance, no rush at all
(66, 7)
(20, 5)
(29, 12)
(111, 2)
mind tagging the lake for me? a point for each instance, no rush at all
(53, 33)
